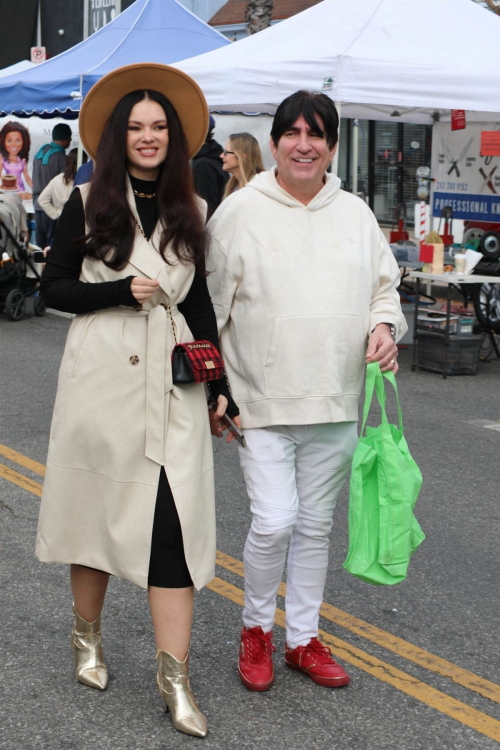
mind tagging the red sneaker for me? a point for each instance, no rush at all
(316, 661)
(256, 661)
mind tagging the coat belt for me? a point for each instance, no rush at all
(158, 373)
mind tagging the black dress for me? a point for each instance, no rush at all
(62, 289)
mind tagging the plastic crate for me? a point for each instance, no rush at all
(462, 355)
(436, 319)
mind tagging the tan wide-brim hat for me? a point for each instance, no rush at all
(185, 95)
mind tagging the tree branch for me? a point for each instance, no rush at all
(492, 6)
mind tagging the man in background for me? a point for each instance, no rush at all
(209, 177)
(49, 161)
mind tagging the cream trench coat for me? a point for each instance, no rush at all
(118, 419)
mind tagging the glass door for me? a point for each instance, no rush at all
(386, 170)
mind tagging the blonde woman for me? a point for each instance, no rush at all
(242, 158)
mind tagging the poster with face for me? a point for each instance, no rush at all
(20, 139)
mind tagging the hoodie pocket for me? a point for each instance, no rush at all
(315, 355)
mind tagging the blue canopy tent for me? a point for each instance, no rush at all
(148, 31)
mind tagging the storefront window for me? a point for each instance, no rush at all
(389, 154)
(417, 141)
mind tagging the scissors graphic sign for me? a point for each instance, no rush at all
(488, 180)
(455, 162)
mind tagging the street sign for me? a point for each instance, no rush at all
(38, 54)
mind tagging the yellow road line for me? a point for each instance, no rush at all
(391, 642)
(443, 703)
(349, 653)
(27, 484)
(21, 460)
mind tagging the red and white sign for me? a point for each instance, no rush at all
(458, 119)
(38, 54)
(490, 143)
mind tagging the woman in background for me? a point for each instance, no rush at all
(54, 196)
(242, 158)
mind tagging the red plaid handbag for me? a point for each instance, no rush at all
(194, 362)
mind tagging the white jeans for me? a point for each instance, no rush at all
(293, 475)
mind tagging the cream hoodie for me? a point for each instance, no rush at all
(297, 290)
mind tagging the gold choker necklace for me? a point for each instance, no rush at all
(143, 195)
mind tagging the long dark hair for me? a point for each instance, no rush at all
(15, 127)
(71, 162)
(111, 227)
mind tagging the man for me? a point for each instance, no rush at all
(49, 161)
(304, 289)
(209, 177)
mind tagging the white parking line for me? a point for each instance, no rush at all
(489, 424)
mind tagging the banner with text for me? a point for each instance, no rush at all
(464, 177)
(98, 13)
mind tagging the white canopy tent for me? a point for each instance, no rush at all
(400, 60)
(16, 68)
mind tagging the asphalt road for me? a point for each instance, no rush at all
(423, 656)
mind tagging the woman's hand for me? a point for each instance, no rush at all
(216, 426)
(143, 289)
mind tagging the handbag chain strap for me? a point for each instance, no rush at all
(169, 311)
(167, 306)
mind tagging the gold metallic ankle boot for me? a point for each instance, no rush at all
(86, 642)
(173, 683)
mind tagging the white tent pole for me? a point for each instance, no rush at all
(355, 156)
(79, 156)
(335, 163)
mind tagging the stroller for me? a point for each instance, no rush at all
(19, 275)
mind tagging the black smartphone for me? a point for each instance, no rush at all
(233, 429)
(39, 257)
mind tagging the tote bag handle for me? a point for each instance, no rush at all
(375, 381)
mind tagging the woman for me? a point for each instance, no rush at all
(129, 482)
(241, 157)
(54, 196)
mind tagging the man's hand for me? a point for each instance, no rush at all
(216, 427)
(143, 289)
(382, 349)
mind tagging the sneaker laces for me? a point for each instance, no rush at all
(323, 654)
(258, 644)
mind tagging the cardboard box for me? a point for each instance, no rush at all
(438, 259)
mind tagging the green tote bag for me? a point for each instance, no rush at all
(385, 482)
